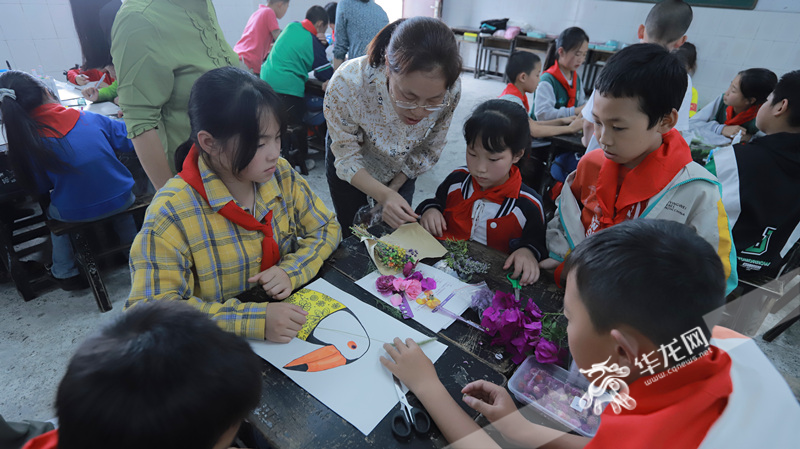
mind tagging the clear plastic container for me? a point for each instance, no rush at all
(556, 393)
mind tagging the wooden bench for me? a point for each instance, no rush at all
(81, 235)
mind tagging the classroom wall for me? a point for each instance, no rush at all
(728, 41)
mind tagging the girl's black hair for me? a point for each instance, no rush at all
(228, 103)
(569, 39)
(688, 55)
(28, 152)
(93, 20)
(418, 43)
(757, 83)
(500, 125)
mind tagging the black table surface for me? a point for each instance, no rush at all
(289, 417)
(351, 260)
(569, 142)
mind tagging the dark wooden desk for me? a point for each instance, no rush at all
(352, 261)
(289, 417)
(459, 33)
(595, 59)
(532, 43)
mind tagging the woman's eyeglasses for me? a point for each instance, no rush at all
(408, 105)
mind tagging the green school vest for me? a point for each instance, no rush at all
(750, 127)
(561, 94)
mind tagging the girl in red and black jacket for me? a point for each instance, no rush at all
(486, 201)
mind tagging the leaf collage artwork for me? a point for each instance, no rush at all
(340, 345)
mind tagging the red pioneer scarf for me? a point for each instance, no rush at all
(642, 182)
(309, 27)
(459, 218)
(511, 89)
(57, 117)
(679, 408)
(232, 211)
(742, 117)
(571, 90)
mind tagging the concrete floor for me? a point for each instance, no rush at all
(39, 337)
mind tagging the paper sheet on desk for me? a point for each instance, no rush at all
(445, 284)
(361, 392)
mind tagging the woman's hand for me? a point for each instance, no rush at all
(396, 210)
(409, 364)
(274, 281)
(91, 94)
(433, 221)
(284, 321)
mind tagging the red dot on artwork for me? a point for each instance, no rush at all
(352, 344)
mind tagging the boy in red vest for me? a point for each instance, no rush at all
(643, 168)
(152, 379)
(636, 300)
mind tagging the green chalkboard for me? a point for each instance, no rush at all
(732, 4)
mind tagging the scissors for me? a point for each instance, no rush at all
(515, 285)
(408, 417)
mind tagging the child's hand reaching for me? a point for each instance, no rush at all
(494, 402)
(409, 364)
(283, 321)
(576, 125)
(91, 94)
(275, 282)
(526, 267)
(433, 221)
(731, 130)
(81, 80)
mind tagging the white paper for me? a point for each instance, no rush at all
(445, 284)
(361, 392)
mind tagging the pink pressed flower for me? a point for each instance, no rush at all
(413, 289)
(546, 351)
(408, 268)
(396, 300)
(384, 285)
(428, 284)
(399, 284)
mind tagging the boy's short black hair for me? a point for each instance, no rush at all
(331, 9)
(688, 54)
(668, 21)
(317, 13)
(757, 83)
(656, 276)
(788, 88)
(520, 62)
(162, 375)
(647, 72)
(500, 124)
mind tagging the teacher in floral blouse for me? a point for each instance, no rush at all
(388, 114)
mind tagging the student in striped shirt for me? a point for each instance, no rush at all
(237, 215)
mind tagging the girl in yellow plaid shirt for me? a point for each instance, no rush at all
(237, 215)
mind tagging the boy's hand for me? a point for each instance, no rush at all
(275, 282)
(494, 402)
(526, 267)
(576, 125)
(549, 264)
(409, 364)
(396, 210)
(283, 321)
(433, 221)
(81, 80)
(731, 130)
(579, 109)
(91, 94)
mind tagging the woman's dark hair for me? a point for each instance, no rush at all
(418, 43)
(331, 9)
(228, 103)
(159, 376)
(569, 39)
(28, 151)
(500, 125)
(93, 20)
(688, 55)
(757, 83)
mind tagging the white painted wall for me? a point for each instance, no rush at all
(728, 41)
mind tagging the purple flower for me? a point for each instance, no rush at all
(481, 300)
(408, 268)
(533, 310)
(428, 284)
(384, 285)
(546, 351)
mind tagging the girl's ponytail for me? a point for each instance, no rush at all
(27, 150)
(550, 58)
(378, 45)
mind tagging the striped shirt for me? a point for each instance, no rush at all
(186, 250)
